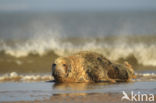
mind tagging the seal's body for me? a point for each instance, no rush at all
(90, 67)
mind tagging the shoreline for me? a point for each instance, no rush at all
(47, 92)
(91, 98)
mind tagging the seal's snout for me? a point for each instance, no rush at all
(53, 68)
(58, 70)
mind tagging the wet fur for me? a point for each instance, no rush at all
(90, 67)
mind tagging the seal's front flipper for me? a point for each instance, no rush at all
(51, 81)
(108, 81)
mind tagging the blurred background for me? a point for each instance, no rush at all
(35, 32)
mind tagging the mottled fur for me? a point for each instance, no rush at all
(90, 67)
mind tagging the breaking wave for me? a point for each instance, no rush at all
(143, 52)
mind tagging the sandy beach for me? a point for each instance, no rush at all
(49, 92)
(91, 98)
(34, 33)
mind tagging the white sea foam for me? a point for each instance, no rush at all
(145, 77)
(19, 77)
(145, 54)
(146, 74)
(13, 76)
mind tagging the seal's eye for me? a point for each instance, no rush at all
(64, 65)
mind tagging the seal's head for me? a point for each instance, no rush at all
(60, 69)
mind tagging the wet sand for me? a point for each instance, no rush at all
(50, 92)
(91, 98)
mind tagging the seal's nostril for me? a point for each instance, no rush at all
(54, 65)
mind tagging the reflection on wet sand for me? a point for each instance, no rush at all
(76, 89)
